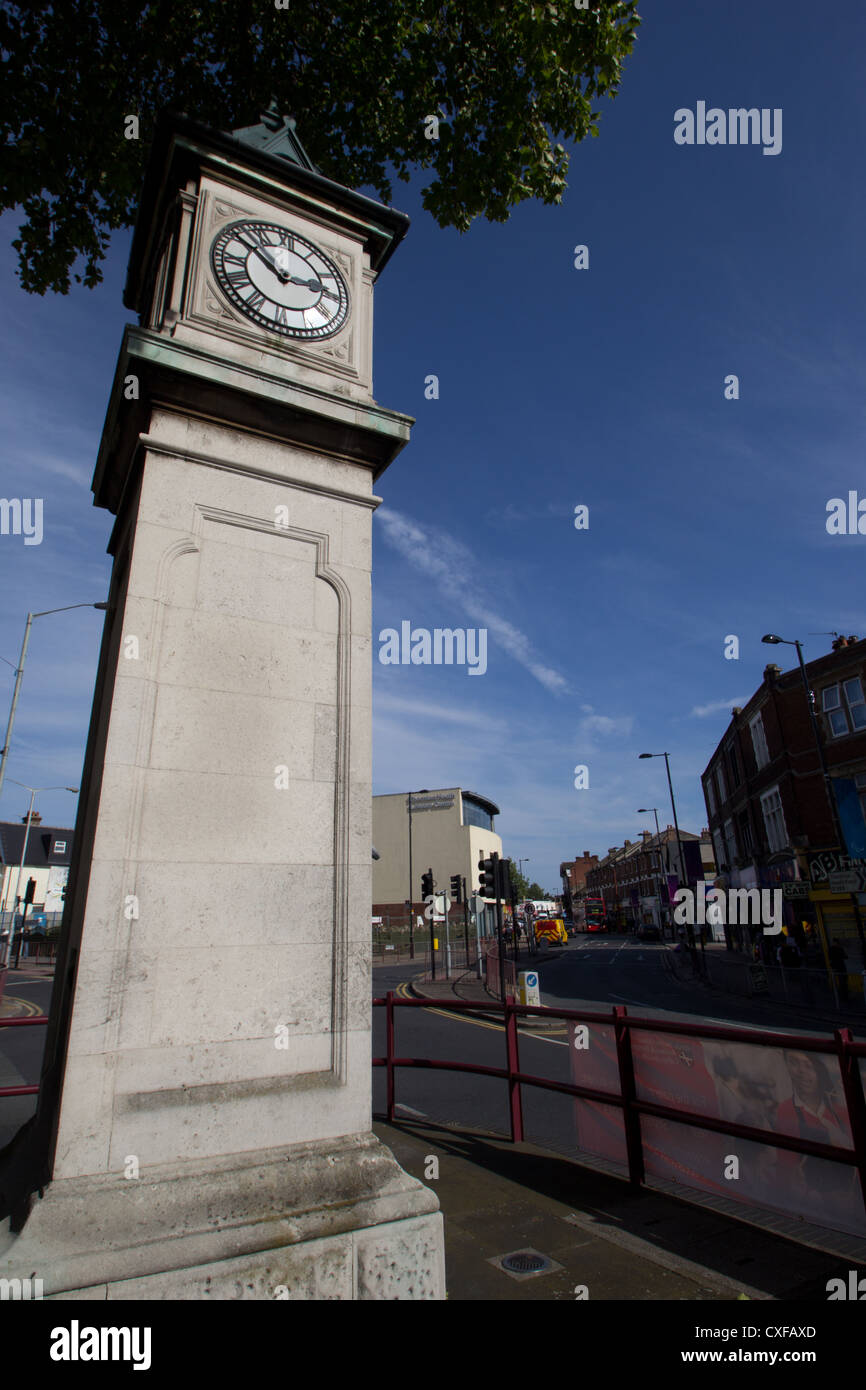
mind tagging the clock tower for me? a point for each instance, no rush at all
(204, 1114)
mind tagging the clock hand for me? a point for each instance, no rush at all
(312, 285)
(271, 265)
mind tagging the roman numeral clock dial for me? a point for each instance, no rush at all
(280, 280)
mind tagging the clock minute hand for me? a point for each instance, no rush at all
(266, 260)
(312, 285)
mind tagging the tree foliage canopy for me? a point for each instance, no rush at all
(360, 76)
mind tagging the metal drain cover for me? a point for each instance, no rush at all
(525, 1264)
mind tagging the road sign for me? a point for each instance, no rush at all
(849, 881)
(528, 991)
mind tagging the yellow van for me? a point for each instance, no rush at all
(551, 930)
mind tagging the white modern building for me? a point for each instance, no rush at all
(447, 830)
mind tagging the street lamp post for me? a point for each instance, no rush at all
(772, 640)
(422, 791)
(32, 791)
(680, 855)
(19, 672)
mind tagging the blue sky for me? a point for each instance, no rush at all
(557, 387)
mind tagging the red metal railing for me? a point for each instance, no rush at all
(21, 1023)
(842, 1046)
(491, 969)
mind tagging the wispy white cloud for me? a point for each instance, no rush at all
(603, 724)
(419, 709)
(701, 711)
(453, 568)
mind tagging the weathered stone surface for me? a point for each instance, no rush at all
(219, 1041)
(336, 1221)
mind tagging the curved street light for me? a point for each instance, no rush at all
(681, 856)
(19, 672)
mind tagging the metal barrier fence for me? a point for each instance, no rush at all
(449, 963)
(492, 977)
(626, 1100)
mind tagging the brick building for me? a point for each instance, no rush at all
(634, 878)
(573, 874)
(771, 818)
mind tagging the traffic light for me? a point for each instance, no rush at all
(487, 877)
(456, 893)
(30, 891)
(427, 884)
(505, 878)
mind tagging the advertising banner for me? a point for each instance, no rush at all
(781, 1090)
(54, 894)
(850, 816)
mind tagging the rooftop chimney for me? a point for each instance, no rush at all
(35, 819)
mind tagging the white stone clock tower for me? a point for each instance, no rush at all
(205, 1107)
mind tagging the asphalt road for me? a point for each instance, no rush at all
(622, 970)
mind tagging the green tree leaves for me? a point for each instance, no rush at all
(360, 76)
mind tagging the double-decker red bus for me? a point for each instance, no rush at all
(594, 914)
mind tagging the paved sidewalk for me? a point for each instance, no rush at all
(465, 985)
(735, 1232)
(600, 1233)
(679, 965)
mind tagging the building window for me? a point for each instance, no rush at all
(719, 847)
(733, 766)
(59, 847)
(709, 796)
(476, 814)
(759, 741)
(745, 833)
(774, 820)
(730, 842)
(723, 794)
(844, 707)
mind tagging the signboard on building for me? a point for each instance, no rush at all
(55, 893)
(850, 814)
(832, 861)
(851, 881)
(440, 802)
(798, 889)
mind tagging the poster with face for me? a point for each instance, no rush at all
(779, 1090)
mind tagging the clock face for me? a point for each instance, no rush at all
(280, 280)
